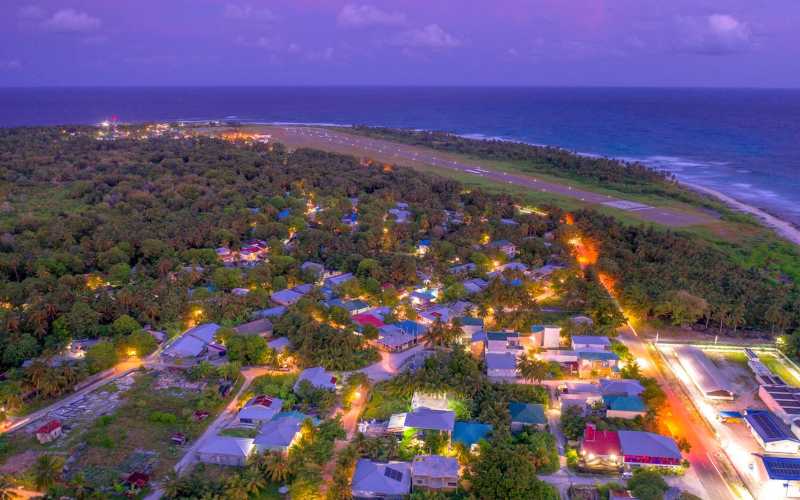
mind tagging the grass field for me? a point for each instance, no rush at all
(777, 366)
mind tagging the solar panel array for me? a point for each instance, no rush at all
(788, 398)
(393, 474)
(769, 425)
(782, 468)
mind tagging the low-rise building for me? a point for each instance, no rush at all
(470, 433)
(501, 365)
(595, 363)
(260, 409)
(590, 342)
(647, 449)
(223, 450)
(192, 343)
(782, 400)
(385, 481)
(620, 387)
(546, 336)
(703, 373)
(392, 338)
(280, 433)
(627, 407)
(525, 415)
(778, 477)
(600, 449)
(434, 472)
(286, 297)
(771, 433)
(423, 419)
(318, 377)
(259, 327)
(50, 431)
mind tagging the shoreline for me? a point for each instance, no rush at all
(783, 228)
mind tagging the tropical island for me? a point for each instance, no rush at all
(226, 311)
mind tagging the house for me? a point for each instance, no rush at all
(463, 268)
(192, 343)
(501, 365)
(259, 327)
(354, 307)
(413, 328)
(504, 246)
(280, 344)
(50, 431)
(423, 247)
(703, 373)
(350, 220)
(600, 448)
(423, 419)
(434, 472)
(400, 215)
(778, 477)
(224, 450)
(280, 433)
(470, 433)
(624, 406)
(475, 285)
(526, 415)
(469, 327)
(284, 214)
(646, 449)
(590, 342)
(546, 336)
(393, 339)
(240, 292)
(621, 387)
(286, 297)
(225, 255)
(376, 480)
(313, 268)
(502, 341)
(338, 280)
(434, 401)
(511, 266)
(578, 394)
(318, 377)
(138, 480)
(271, 312)
(594, 363)
(250, 254)
(365, 319)
(771, 433)
(260, 409)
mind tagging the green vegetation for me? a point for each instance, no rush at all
(778, 367)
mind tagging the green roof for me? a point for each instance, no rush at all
(527, 413)
(624, 403)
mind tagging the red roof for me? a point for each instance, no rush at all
(49, 427)
(262, 400)
(600, 443)
(138, 479)
(368, 319)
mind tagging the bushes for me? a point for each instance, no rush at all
(163, 418)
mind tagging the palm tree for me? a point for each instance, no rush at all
(171, 484)
(532, 369)
(277, 467)
(236, 488)
(6, 488)
(47, 471)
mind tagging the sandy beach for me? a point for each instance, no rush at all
(783, 228)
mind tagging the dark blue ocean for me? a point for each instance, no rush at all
(745, 143)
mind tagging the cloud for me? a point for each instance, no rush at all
(71, 21)
(717, 34)
(248, 13)
(30, 12)
(11, 65)
(431, 36)
(363, 16)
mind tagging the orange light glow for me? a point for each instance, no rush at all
(609, 283)
(586, 253)
(569, 219)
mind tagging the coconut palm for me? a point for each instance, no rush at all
(47, 471)
(533, 370)
(6, 488)
(277, 467)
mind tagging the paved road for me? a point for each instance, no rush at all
(681, 418)
(393, 152)
(391, 364)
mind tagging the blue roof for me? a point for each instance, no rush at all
(425, 242)
(469, 433)
(527, 413)
(284, 213)
(411, 327)
(624, 403)
(469, 321)
(782, 468)
(768, 426)
(597, 355)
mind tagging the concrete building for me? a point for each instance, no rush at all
(782, 400)
(646, 449)
(779, 477)
(627, 407)
(385, 481)
(590, 342)
(501, 365)
(279, 434)
(546, 336)
(771, 433)
(526, 415)
(259, 327)
(318, 377)
(434, 472)
(223, 450)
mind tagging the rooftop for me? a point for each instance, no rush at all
(427, 419)
(625, 403)
(527, 413)
(389, 479)
(469, 433)
(434, 466)
(768, 426)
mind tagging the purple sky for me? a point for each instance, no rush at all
(730, 43)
